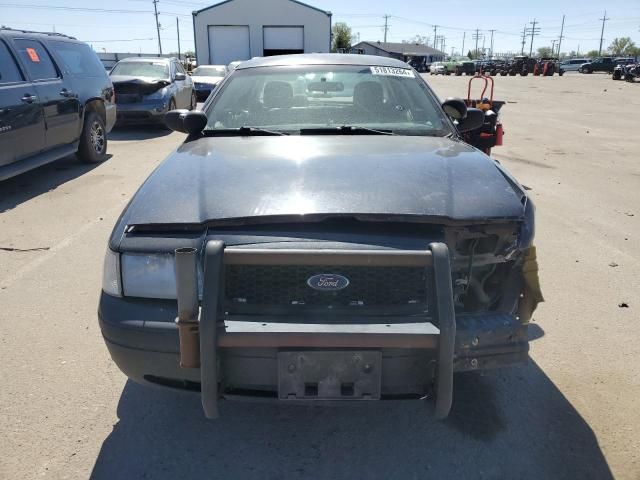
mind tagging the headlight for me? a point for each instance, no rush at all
(150, 275)
(111, 274)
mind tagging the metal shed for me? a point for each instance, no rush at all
(242, 29)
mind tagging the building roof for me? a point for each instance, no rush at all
(322, 59)
(416, 49)
(196, 12)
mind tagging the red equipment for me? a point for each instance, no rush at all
(491, 133)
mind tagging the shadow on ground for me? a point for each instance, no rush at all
(508, 424)
(138, 132)
(33, 183)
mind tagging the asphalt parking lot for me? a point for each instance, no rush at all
(67, 412)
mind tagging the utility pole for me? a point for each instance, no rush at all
(435, 36)
(452, 49)
(491, 56)
(533, 32)
(155, 8)
(483, 50)
(443, 44)
(386, 27)
(524, 38)
(476, 36)
(553, 47)
(464, 34)
(561, 37)
(178, 30)
(604, 19)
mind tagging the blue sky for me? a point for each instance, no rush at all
(129, 26)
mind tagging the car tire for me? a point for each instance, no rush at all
(560, 73)
(458, 72)
(194, 101)
(524, 73)
(93, 139)
(585, 70)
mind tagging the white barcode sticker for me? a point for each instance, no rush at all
(392, 72)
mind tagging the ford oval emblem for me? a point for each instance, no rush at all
(328, 282)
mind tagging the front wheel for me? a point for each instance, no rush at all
(585, 70)
(93, 139)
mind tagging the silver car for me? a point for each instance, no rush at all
(572, 65)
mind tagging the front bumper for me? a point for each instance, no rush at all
(203, 91)
(141, 112)
(241, 354)
(142, 338)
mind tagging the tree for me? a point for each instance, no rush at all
(544, 52)
(341, 33)
(621, 46)
(418, 40)
(592, 54)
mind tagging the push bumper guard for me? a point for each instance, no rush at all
(205, 330)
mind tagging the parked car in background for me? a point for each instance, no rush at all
(572, 65)
(458, 65)
(147, 88)
(206, 78)
(600, 64)
(437, 68)
(56, 99)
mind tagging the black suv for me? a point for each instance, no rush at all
(55, 99)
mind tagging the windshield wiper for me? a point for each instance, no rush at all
(344, 130)
(243, 131)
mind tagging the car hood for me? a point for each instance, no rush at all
(421, 178)
(205, 79)
(133, 79)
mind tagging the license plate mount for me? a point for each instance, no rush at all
(329, 375)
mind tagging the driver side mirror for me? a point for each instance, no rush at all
(455, 108)
(186, 121)
(179, 77)
(473, 120)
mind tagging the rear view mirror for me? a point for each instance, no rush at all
(179, 77)
(455, 108)
(325, 87)
(473, 120)
(186, 121)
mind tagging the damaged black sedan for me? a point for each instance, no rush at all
(323, 233)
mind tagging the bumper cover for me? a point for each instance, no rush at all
(141, 113)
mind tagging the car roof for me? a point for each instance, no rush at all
(15, 32)
(322, 59)
(147, 59)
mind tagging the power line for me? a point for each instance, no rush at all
(604, 19)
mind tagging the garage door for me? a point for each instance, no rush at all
(228, 43)
(283, 40)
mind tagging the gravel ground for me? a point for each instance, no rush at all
(67, 412)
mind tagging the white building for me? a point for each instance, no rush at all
(242, 29)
